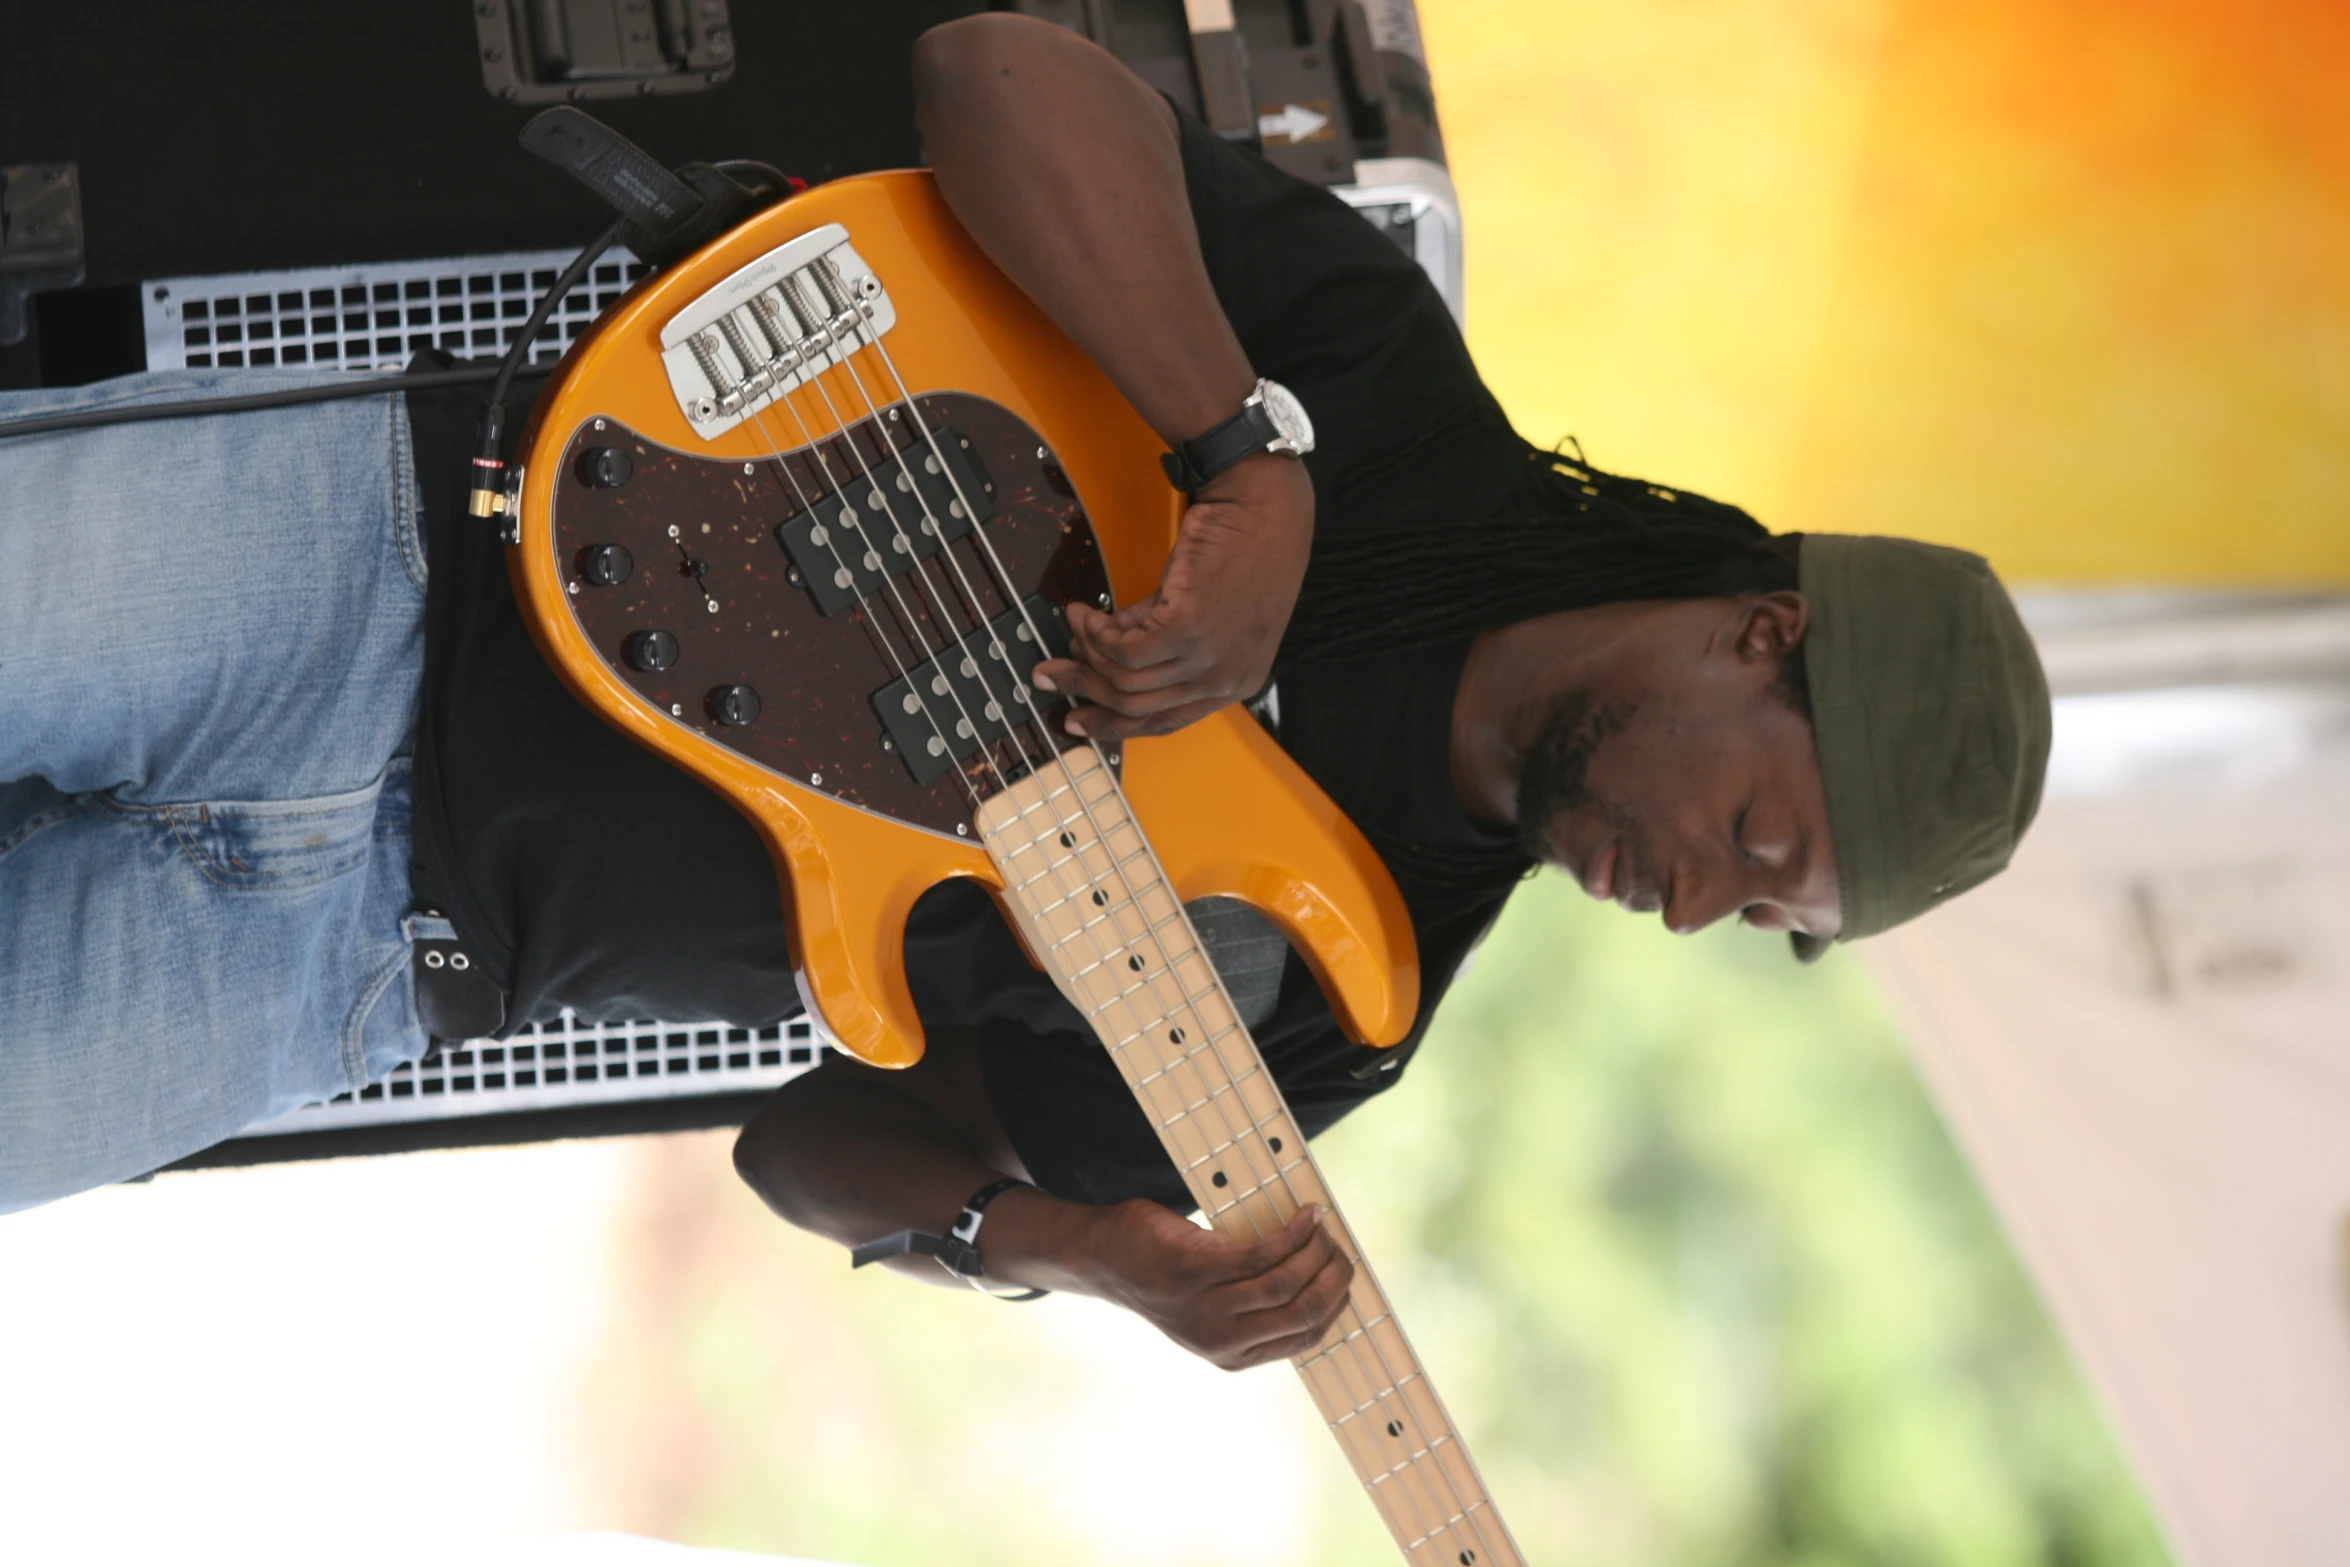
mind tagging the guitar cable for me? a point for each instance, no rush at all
(142, 413)
(488, 497)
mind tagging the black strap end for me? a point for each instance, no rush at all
(959, 1257)
(629, 179)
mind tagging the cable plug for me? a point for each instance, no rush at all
(489, 464)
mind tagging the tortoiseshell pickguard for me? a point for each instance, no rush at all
(815, 676)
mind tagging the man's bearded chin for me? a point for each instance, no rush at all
(1554, 777)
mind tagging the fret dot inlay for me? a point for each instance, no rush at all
(1101, 899)
(1068, 840)
(1175, 1036)
(1274, 1143)
(1219, 1179)
(1135, 962)
(1395, 1428)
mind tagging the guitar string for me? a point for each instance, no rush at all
(941, 615)
(911, 622)
(1261, 1186)
(1444, 1525)
(1231, 1140)
(936, 529)
(872, 619)
(1212, 1034)
(1155, 927)
(944, 608)
(1465, 1509)
(933, 658)
(1002, 583)
(865, 604)
(889, 508)
(1192, 998)
(1019, 692)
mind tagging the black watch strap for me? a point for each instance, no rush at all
(1194, 462)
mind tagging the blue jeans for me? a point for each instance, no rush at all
(211, 639)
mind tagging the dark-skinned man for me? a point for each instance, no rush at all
(1491, 655)
(1648, 744)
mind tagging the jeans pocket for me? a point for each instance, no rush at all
(269, 845)
(29, 805)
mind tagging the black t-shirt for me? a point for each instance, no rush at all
(583, 870)
(589, 873)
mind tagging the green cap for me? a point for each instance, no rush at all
(1931, 716)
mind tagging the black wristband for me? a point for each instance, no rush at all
(957, 1251)
(965, 1230)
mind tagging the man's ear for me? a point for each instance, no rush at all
(1773, 625)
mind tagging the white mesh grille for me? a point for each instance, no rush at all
(372, 317)
(565, 1064)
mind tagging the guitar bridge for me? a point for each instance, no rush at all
(770, 326)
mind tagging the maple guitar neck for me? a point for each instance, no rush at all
(1099, 912)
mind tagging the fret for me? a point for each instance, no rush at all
(1087, 892)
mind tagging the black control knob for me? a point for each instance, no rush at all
(649, 651)
(606, 565)
(733, 706)
(605, 467)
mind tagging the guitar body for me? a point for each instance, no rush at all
(802, 514)
(855, 839)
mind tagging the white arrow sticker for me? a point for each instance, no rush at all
(1295, 122)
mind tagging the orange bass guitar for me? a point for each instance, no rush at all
(800, 514)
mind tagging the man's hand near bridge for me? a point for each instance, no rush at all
(1208, 635)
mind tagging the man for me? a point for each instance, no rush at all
(1489, 655)
(1496, 658)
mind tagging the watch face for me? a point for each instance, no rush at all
(1289, 417)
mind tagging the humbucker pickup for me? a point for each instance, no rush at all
(847, 545)
(944, 712)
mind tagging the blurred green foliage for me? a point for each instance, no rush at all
(1703, 1256)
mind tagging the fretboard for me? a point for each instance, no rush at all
(1098, 912)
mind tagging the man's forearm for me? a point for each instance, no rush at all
(1068, 172)
(853, 1154)
(1066, 169)
(852, 1163)
(854, 1157)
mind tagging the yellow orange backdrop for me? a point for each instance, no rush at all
(2067, 284)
